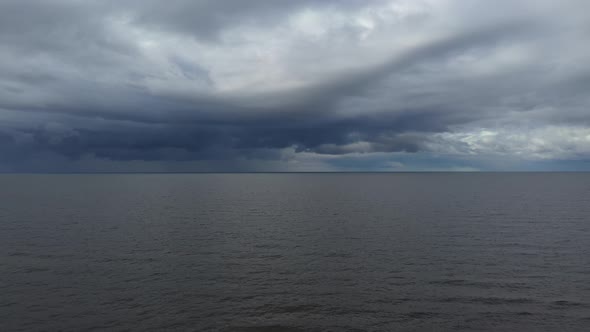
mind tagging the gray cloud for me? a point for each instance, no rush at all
(284, 85)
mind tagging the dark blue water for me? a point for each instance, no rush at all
(295, 252)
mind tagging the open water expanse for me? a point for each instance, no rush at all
(295, 252)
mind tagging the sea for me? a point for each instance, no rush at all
(295, 252)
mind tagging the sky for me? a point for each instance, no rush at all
(284, 85)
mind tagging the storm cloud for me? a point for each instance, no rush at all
(277, 85)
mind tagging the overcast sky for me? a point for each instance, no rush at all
(285, 85)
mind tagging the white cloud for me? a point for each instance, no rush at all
(539, 143)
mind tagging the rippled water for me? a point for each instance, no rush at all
(295, 252)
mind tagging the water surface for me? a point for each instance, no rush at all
(295, 252)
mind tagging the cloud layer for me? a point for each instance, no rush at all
(273, 85)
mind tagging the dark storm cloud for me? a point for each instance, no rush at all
(289, 83)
